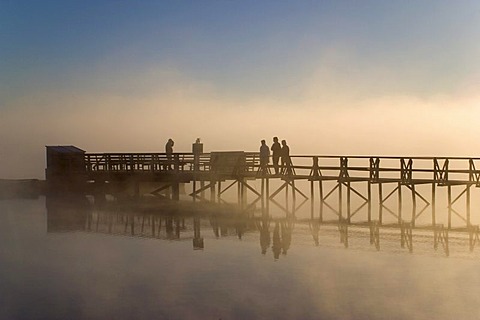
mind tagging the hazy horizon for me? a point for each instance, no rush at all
(342, 78)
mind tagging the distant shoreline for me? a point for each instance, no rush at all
(21, 188)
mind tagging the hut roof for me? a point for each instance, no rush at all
(65, 149)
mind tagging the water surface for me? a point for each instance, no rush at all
(76, 262)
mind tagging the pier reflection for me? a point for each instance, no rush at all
(275, 234)
(67, 213)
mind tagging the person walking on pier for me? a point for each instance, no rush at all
(169, 152)
(276, 152)
(264, 157)
(285, 155)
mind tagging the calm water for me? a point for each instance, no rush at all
(76, 262)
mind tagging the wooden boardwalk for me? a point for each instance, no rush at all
(331, 183)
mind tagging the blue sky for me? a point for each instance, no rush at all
(206, 60)
(243, 48)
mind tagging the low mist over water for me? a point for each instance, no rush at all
(363, 130)
(73, 260)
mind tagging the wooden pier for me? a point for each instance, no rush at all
(355, 189)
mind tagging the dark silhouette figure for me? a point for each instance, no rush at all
(264, 157)
(276, 152)
(169, 152)
(285, 155)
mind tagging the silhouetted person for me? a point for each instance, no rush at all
(276, 152)
(264, 156)
(285, 155)
(169, 152)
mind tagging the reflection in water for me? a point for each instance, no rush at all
(67, 213)
(77, 214)
(149, 271)
(276, 247)
(315, 229)
(263, 227)
(197, 239)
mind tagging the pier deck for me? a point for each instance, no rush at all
(332, 182)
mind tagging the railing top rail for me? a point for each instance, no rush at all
(297, 156)
(136, 153)
(386, 157)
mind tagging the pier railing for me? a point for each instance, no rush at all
(161, 162)
(385, 181)
(406, 170)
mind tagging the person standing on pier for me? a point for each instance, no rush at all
(276, 152)
(264, 157)
(285, 155)
(169, 152)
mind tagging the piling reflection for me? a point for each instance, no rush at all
(67, 213)
(275, 234)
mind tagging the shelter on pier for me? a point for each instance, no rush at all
(65, 167)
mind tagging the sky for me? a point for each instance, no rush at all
(330, 77)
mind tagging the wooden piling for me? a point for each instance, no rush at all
(369, 199)
(349, 191)
(414, 204)
(380, 207)
(340, 201)
(449, 199)
(468, 205)
(312, 199)
(320, 195)
(434, 219)
(176, 191)
(267, 196)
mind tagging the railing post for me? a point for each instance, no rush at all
(374, 169)
(406, 171)
(176, 164)
(315, 172)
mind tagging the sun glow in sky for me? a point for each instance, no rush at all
(330, 77)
